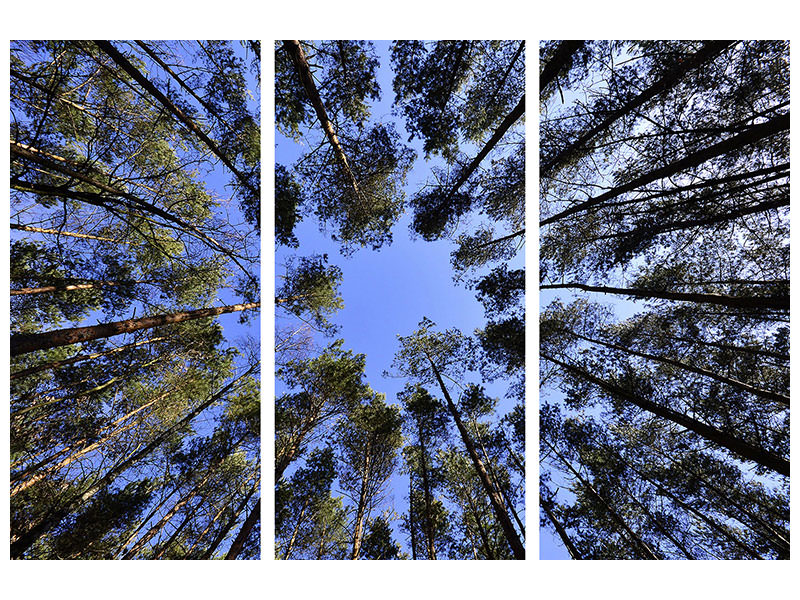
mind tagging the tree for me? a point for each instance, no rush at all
(344, 171)
(327, 387)
(310, 291)
(357, 184)
(300, 502)
(369, 437)
(426, 424)
(426, 356)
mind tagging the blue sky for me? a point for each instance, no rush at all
(388, 292)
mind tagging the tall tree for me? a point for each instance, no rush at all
(427, 356)
(369, 437)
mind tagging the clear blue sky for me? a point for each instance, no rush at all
(387, 292)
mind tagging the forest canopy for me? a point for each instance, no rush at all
(664, 270)
(135, 201)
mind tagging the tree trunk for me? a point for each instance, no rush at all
(426, 487)
(487, 548)
(286, 458)
(187, 88)
(358, 527)
(95, 285)
(295, 52)
(745, 302)
(712, 434)
(700, 222)
(292, 540)
(653, 519)
(749, 137)
(218, 539)
(144, 522)
(506, 73)
(496, 480)
(463, 47)
(217, 517)
(779, 539)
(59, 164)
(172, 512)
(702, 516)
(23, 343)
(505, 238)
(411, 524)
(744, 349)
(244, 532)
(70, 459)
(495, 498)
(780, 171)
(158, 552)
(321, 547)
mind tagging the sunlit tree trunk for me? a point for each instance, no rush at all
(30, 342)
(300, 518)
(65, 233)
(27, 539)
(223, 532)
(361, 509)
(495, 498)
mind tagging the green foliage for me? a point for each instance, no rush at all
(310, 290)
(379, 164)
(288, 201)
(378, 543)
